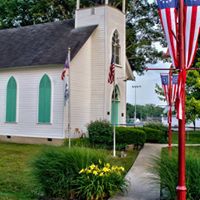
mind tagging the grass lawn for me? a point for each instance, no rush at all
(191, 137)
(16, 181)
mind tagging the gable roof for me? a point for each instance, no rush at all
(41, 44)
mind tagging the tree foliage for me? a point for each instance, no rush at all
(143, 111)
(143, 28)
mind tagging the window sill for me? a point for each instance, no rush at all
(11, 123)
(44, 123)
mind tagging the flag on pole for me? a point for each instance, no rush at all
(192, 26)
(66, 69)
(165, 85)
(167, 10)
(111, 75)
(65, 73)
(174, 87)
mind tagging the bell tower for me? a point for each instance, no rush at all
(108, 38)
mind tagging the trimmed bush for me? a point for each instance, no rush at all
(128, 135)
(154, 135)
(157, 126)
(100, 133)
(56, 168)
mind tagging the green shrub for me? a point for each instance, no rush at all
(167, 169)
(154, 135)
(128, 135)
(157, 126)
(56, 168)
(100, 133)
(100, 181)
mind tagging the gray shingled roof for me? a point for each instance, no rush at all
(41, 44)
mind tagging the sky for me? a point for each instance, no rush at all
(146, 93)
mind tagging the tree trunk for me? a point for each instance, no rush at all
(194, 124)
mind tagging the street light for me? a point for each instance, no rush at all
(135, 86)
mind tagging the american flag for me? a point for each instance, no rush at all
(165, 85)
(165, 80)
(167, 10)
(191, 25)
(191, 33)
(111, 75)
(66, 69)
(174, 87)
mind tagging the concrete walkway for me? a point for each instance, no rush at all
(141, 186)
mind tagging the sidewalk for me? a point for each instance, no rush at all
(141, 186)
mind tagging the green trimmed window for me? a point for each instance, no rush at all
(11, 100)
(116, 47)
(44, 114)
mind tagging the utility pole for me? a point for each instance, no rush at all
(135, 86)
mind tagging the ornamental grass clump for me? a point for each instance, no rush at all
(99, 181)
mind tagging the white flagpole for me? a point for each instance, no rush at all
(114, 127)
(69, 101)
(124, 6)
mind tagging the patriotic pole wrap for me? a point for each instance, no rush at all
(182, 58)
(169, 84)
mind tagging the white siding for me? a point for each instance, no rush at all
(28, 89)
(80, 75)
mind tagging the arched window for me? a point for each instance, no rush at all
(11, 100)
(44, 114)
(116, 47)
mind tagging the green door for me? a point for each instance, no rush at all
(115, 106)
(115, 112)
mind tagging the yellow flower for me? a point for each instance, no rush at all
(92, 166)
(106, 169)
(89, 171)
(101, 174)
(108, 165)
(95, 173)
(82, 171)
(122, 168)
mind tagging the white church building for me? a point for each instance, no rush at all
(32, 107)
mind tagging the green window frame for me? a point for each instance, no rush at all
(44, 113)
(11, 100)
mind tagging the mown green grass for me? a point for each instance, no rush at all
(16, 180)
(191, 137)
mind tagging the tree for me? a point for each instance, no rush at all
(143, 28)
(143, 111)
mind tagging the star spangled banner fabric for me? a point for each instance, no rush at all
(165, 85)
(174, 87)
(111, 75)
(167, 10)
(66, 69)
(191, 26)
(64, 74)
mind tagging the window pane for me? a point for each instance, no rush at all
(11, 99)
(45, 100)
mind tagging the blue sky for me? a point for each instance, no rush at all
(146, 94)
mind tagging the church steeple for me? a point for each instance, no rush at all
(102, 2)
